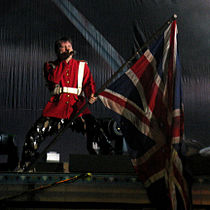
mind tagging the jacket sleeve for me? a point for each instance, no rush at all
(89, 85)
(53, 71)
(48, 69)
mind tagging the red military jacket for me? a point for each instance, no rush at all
(66, 75)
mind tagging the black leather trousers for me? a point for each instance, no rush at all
(97, 141)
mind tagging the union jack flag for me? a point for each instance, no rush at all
(148, 101)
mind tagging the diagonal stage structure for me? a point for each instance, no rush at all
(91, 34)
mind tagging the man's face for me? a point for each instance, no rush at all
(64, 50)
(65, 47)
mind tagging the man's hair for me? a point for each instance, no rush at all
(59, 41)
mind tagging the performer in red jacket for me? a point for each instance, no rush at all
(70, 83)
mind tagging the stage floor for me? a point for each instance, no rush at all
(98, 191)
(64, 189)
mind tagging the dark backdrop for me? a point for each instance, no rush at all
(28, 30)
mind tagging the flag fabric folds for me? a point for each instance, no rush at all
(147, 102)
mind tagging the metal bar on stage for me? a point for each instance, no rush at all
(43, 187)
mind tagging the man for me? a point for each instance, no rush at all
(70, 83)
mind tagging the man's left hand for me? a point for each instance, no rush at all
(92, 99)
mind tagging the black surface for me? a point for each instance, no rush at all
(100, 164)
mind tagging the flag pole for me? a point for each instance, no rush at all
(138, 51)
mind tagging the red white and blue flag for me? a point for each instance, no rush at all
(148, 101)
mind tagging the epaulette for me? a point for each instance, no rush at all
(83, 61)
